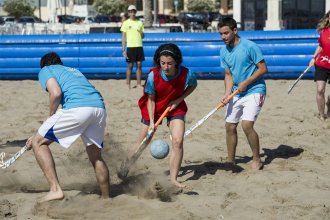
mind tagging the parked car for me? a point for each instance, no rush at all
(9, 19)
(88, 19)
(67, 19)
(102, 19)
(29, 19)
(163, 19)
(115, 18)
(194, 20)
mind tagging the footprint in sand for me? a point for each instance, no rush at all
(7, 209)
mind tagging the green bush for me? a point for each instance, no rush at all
(18, 8)
(110, 7)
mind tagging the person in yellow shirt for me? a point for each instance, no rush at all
(132, 34)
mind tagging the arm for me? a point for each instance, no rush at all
(123, 43)
(141, 30)
(151, 109)
(228, 82)
(316, 53)
(262, 69)
(55, 95)
(186, 93)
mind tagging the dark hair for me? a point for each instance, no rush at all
(50, 59)
(227, 21)
(171, 50)
(324, 22)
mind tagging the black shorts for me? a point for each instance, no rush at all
(322, 74)
(181, 117)
(134, 54)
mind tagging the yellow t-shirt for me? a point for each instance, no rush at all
(133, 30)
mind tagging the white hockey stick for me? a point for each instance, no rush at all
(201, 121)
(10, 161)
(297, 80)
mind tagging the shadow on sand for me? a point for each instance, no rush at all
(282, 151)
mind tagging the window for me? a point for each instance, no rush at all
(254, 14)
(301, 14)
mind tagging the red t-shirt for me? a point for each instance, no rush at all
(323, 59)
(166, 91)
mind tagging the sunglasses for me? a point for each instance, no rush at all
(132, 11)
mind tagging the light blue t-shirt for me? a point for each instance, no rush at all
(190, 81)
(77, 91)
(242, 62)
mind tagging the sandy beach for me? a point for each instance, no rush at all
(294, 183)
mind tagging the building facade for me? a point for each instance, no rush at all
(251, 14)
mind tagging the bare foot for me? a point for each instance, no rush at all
(256, 165)
(104, 197)
(57, 195)
(177, 184)
(322, 117)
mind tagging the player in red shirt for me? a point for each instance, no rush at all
(321, 59)
(168, 84)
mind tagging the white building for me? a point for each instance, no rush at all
(251, 14)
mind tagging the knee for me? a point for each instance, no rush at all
(231, 128)
(247, 127)
(320, 91)
(177, 143)
(94, 155)
(36, 142)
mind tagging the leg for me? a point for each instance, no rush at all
(101, 169)
(44, 157)
(129, 74)
(253, 140)
(320, 99)
(328, 107)
(134, 153)
(138, 72)
(142, 134)
(231, 140)
(177, 127)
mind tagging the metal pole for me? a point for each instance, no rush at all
(155, 12)
(65, 7)
(40, 9)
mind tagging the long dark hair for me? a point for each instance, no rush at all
(324, 22)
(50, 59)
(171, 50)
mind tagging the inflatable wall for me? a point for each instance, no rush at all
(287, 53)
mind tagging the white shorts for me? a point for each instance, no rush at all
(65, 126)
(245, 108)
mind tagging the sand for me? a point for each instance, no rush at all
(294, 184)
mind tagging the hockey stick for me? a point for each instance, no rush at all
(297, 80)
(124, 168)
(11, 160)
(201, 121)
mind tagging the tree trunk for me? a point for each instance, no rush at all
(147, 13)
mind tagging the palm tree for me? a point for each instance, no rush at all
(147, 13)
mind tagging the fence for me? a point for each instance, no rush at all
(287, 53)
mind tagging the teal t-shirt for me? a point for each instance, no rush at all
(77, 91)
(242, 62)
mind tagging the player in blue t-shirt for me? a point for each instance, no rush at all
(83, 114)
(244, 70)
